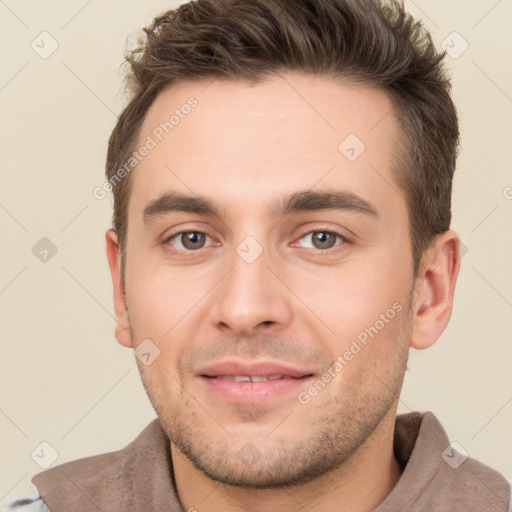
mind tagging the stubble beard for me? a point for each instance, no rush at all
(327, 443)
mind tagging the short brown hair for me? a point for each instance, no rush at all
(362, 41)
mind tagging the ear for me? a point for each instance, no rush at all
(434, 289)
(123, 333)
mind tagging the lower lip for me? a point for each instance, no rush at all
(253, 392)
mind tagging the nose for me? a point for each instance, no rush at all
(250, 298)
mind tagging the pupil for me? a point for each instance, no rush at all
(323, 239)
(193, 240)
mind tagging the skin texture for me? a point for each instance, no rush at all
(245, 148)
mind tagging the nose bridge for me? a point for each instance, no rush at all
(250, 295)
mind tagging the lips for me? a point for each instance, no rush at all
(251, 383)
(245, 371)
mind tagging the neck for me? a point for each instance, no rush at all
(358, 485)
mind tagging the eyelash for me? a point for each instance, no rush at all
(344, 240)
(179, 233)
(337, 247)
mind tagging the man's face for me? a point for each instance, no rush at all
(276, 281)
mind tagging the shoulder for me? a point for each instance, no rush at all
(124, 473)
(471, 481)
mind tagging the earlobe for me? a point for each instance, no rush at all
(123, 332)
(435, 287)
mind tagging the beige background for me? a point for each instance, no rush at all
(65, 380)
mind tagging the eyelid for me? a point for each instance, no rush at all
(338, 247)
(186, 227)
(324, 229)
(337, 232)
(176, 234)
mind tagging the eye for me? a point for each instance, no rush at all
(321, 239)
(189, 240)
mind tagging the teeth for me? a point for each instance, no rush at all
(247, 378)
(259, 379)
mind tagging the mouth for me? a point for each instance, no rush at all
(251, 378)
(252, 383)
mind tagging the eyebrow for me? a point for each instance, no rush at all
(298, 202)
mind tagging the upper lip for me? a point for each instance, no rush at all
(252, 369)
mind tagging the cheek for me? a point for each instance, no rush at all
(358, 301)
(153, 285)
(168, 307)
(155, 303)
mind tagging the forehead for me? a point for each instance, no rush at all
(244, 145)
